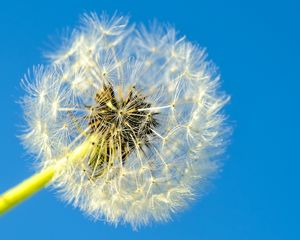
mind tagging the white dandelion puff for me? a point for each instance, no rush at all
(129, 117)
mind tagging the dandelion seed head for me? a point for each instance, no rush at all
(146, 104)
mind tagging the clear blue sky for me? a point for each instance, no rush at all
(256, 45)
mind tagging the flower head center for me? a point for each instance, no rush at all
(121, 127)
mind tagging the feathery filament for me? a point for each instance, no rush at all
(131, 118)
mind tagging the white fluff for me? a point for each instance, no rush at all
(181, 86)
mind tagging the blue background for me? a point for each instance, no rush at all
(256, 46)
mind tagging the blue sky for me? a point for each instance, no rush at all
(256, 45)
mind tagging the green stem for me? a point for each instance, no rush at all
(25, 189)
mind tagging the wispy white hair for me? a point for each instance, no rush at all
(175, 78)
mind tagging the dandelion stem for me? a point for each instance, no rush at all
(25, 189)
(36, 182)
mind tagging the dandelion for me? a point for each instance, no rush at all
(124, 121)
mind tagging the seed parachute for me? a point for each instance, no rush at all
(125, 121)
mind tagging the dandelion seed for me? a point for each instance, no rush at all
(124, 121)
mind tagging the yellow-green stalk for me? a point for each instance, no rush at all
(25, 189)
(36, 182)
